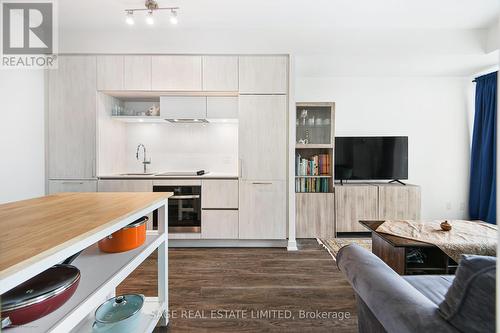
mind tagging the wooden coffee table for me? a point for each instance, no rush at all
(394, 251)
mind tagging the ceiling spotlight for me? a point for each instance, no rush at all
(149, 18)
(129, 18)
(173, 17)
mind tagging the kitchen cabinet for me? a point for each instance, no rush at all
(220, 73)
(315, 216)
(127, 185)
(137, 72)
(183, 107)
(177, 72)
(354, 203)
(263, 74)
(219, 193)
(72, 118)
(222, 107)
(219, 224)
(399, 202)
(110, 72)
(57, 186)
(262, 210)
(262, 137)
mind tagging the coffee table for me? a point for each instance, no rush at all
(395, 252)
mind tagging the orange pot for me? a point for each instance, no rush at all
(128, 238)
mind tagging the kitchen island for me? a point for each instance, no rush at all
(39, 233)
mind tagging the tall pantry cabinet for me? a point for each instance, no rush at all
(263, 105)
(71, 129)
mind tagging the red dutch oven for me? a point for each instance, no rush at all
(40, 295)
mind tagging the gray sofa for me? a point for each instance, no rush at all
(388, 302)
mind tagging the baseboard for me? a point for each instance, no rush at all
(226, 243)
(292, 245)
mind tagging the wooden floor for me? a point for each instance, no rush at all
(258, 281)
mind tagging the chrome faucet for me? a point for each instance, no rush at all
(145, 160)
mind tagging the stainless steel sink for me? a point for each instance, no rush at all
(137, 174)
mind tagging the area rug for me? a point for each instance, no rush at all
(333, 245)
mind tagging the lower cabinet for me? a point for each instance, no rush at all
(56, 186)
(354, 203)
(315, 215)
(262, 207)
(128, 185)
(399, 202)
(219, 224)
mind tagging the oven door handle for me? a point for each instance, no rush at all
(179, 197)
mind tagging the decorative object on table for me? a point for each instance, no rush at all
(445, 226)
(119, 314)
(334, 245)
(128, 238)
(40, 295)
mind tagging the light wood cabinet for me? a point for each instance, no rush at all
(263, 74)
(262, 210)
(219, 194)
(110, 72)
(126, 185)
(399, 202)
(72, 118)
(219, 224)
(220, 73)
(262, 137)
(137, 72)
(176, 72)
(315, 215)
(354, 203)
(222, 107)
(183, 107)
(57, 186)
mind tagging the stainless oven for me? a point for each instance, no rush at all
(184, 208)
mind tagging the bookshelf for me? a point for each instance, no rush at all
(314, 167)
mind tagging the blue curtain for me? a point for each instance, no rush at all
(482, 196)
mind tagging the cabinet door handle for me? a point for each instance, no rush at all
(67, 183)
(262, 183)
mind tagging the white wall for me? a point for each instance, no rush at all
(433, 112)
(184, 147)
(22, 166)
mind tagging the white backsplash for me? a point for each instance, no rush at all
(184, 147)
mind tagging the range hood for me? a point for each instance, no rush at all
(187, 121)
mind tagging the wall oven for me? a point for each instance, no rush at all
(184, 208)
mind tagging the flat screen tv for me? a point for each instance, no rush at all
(371, 158)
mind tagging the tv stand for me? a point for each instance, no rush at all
(397, 181)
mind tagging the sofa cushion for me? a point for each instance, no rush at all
(434, 287)
(469, 304)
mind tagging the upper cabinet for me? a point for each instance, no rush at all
(220, 73)
(222, 107)
(177, 73)
(72, 118)
(137, 72)
(263, 74)
(110, 72)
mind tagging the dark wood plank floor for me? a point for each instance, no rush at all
(255, 281)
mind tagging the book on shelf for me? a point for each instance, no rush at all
(312, 185)
(316, 165)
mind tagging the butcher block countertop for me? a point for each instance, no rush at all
(35, 229)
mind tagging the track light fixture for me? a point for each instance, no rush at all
(151, 8)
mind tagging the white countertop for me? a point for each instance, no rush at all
(209, 175)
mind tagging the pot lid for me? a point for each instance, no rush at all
(49, 283)
(119, 308)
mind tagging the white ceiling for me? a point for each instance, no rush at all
(329, 37)
(293, 14)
